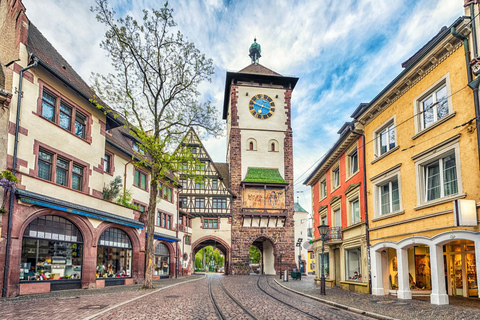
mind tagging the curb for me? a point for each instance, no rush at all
(139, 297)
(338, 305)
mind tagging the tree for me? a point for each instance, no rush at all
(254, 254)
(154, 88)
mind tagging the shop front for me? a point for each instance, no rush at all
(114, 257)
(52, 251)
(162, 261)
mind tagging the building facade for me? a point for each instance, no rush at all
(60, 230)
(257, 110)
(338, 197)
(422, 172)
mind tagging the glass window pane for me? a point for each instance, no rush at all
(395, 196)
(80, 123)
(383, 142)
(353, 264)
(385, 198)
(106, 163)
(433, 181)
(428, 114)
(65, 116)
(137, 178)
(391, 137)
(61, 176)
(44, 170)
(442, 103)
(143, 181)
(48, 106)
(449, 175)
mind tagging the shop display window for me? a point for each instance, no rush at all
(420, 276)
(353, 262)
(114, 254)
(326, 265)
(51, 250)
(162, 260)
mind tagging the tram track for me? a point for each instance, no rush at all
(221, 314)
(301, 299)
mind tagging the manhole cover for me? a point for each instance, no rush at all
(94, 306)
(172, 297)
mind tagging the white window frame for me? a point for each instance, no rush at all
(390, 175)
(336, 168)
(434, 154)
(336, 205)
(348, 157)
(418, 105)
(376, 138)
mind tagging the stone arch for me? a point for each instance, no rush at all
(207, 241)
(270, 256)
(172, 250)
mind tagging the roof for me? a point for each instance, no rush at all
(259, 69)
(256, 73)
(264, 175)
(53, 61)
(298, 208)
(408, 65)
(224, 172)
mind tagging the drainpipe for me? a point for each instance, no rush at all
(473, 84)
(367, 233)
(14, 170)
(125, 177)
(474, 33)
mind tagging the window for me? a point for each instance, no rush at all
(324, 220)
(434, 107)
(337, 216)
(272, 147)
(140, 207)
(114, 254)
(45, 165)
(165, 192)
(214, 184)
(200, 203)
(250, 146)
(184, 183)
(159, 219)
(180, 220)
(187, 239)
(169, 222)
(353, 263)
(107, 167)
(210, 223)
(219, 203)
(355, 211)
(80, 124)
(65, 116)
(323, 188)
(194, 150)
(336, 177)
(164, 220)
(353, 160)
(140, 180)
(67, 172)
(200, 166)
(55, 109)
(389, 197)
(200, 185)
(183, 202)
(386, 139)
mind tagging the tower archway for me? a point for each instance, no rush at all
(266, 246)
(216, 243)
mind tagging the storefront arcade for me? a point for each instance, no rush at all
(446, 264)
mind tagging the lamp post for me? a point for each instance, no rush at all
(323, 230)
(280, 262)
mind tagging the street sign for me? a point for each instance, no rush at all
(283, 260)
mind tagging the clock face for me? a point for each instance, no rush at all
(261, 106)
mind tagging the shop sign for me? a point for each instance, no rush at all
(465, 212)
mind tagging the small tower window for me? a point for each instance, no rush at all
(273, 145)
(250, 145)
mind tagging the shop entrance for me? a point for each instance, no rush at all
(162, 261)
(460, 268)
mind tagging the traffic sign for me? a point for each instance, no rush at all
(283, 260)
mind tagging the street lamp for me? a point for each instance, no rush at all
(280, 262)
(323, 230)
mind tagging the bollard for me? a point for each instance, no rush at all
(285, 276)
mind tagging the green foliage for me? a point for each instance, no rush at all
(112, 191)
(254, 254)
(8, 175)
(205, 256)
(125, 200)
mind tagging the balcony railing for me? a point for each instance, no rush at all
(335, 234)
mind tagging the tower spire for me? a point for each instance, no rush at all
(255, 51)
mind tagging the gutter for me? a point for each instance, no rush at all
(14, 170)
(473, 84)
(367, 232)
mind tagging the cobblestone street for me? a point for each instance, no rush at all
(236, 297)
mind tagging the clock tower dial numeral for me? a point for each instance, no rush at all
(261, 106)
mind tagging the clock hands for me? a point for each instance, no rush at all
(262, 106)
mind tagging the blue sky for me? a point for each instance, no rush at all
(344, 52)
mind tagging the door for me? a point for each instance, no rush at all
(336, 255)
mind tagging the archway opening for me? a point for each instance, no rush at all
(255, 258)
(460, 268)
(267, 253)
(209, 259)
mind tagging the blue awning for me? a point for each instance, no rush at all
(65, 206)
(164, 237)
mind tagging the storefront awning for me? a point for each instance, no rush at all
(164, 237)
(65, 206)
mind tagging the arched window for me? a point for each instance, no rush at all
(273, 145)
(114, 254)
(51, 250)
(252, 144)
(162, 260)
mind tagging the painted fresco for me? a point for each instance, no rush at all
(258, 197)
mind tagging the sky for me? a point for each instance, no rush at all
(343, 52)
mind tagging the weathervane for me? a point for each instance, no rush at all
(255, 51)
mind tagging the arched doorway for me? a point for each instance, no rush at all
(216, 243)
(162, 261)
(267, 251)
(52, 249)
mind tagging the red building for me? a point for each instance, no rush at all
(338, 200)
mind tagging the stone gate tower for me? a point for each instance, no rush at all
(258, 114)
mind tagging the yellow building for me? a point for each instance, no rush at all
(421, 158)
